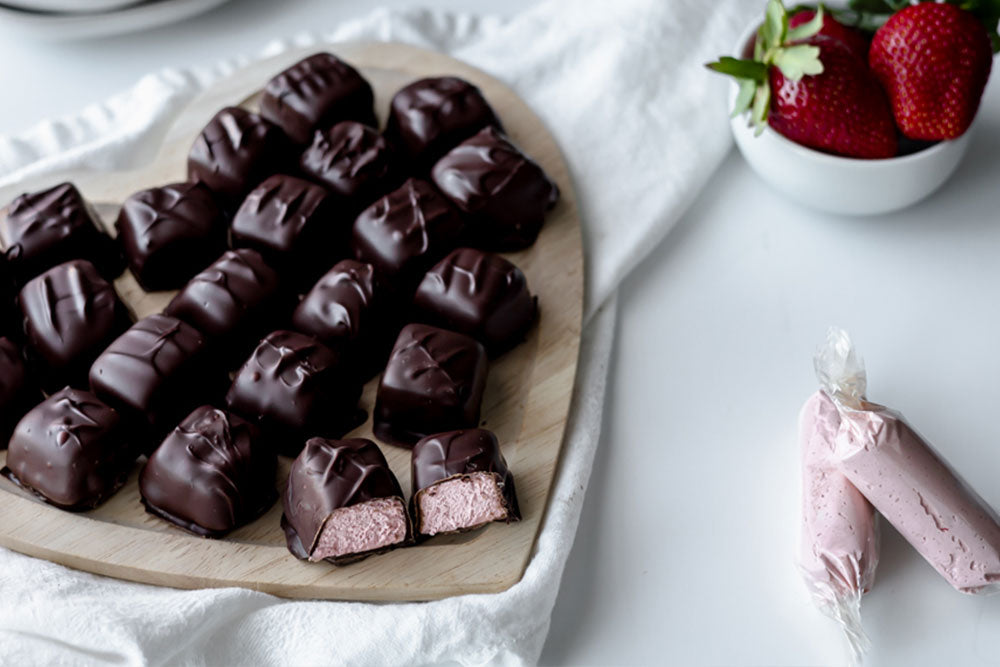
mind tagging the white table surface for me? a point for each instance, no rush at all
(686, 554)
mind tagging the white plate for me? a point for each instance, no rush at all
(132, 18)
(68, 6)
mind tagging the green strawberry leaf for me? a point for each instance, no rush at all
(798, 61)
(741, 69)
(761, 105)
(808, 29)
(745, 97)
(775, 26)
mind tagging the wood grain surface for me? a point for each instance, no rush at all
(527, 398)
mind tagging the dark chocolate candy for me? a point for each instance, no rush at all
(70, 315)
(329, 475)
(170, 233)
(211, 475)
(316, 93)
(431, 116)
(293, 224)
(434, 382)
(447, 456)
(43, 229)
(155, 372)
(503, 193)
(479, 294)
(10, 316)
(236, 151)
(352, 161)
(18, 392)
(72, 450)
(294, 387)
(404, 233)
(345, 310)
(233, 302)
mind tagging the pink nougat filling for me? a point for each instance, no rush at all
(464, 502)
(919, 494)
(367, 526)
(839, 540)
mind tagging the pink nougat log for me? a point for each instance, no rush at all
(912, 487)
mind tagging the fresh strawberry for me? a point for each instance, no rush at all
(850, 37)
(933, 60)
(812, 88)
(843, 110)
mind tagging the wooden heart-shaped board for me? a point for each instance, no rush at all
(527, 398)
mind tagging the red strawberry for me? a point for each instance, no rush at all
(933, 60)
(852, 38)
(843, 110)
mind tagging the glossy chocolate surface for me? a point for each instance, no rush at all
(504, 194)
(292, 223)
(434, 382)
(71, 450)
(155, 372)
(328, 475)
(404, 233)
(43, 229)
(444, 456)
(233, 302)
(316, 93)
(479, 294)
(431, 116)
(236, 151)
(18, 392)
(354, 162)
(10, 315)
(212, 474)
(295, 387)
(170, 233)
(71, 314)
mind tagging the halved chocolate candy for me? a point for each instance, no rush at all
(211, 475)
(170, 233)
(236, 151)
(461, 482)
(343, 503)
(71, 314)
(43, 229)
(316, 93)
(504, 194)
(18, 392)
(434, 382)
(431, 116)
(293, 386)
(71, 450)
(479, 294)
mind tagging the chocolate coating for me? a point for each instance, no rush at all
(405, 233)
(10, 316)
(236, 151)
(292, 223)
(328, 475)
(316, 93)
(18, 393)
(431, 116)
(233, 302)
(70, 315)
(211, 475)
(479, 294)
(444, 456)
(503, 192)
(71, 450)
(294, 387)
(155, 372)
(434, 382)
(345, 310)
(50, 227)
(170, 233)
(352, 161)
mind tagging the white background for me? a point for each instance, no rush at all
(686, 552)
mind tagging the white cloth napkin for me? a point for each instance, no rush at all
(620, 85)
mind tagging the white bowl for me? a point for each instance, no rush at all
(848, 186)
